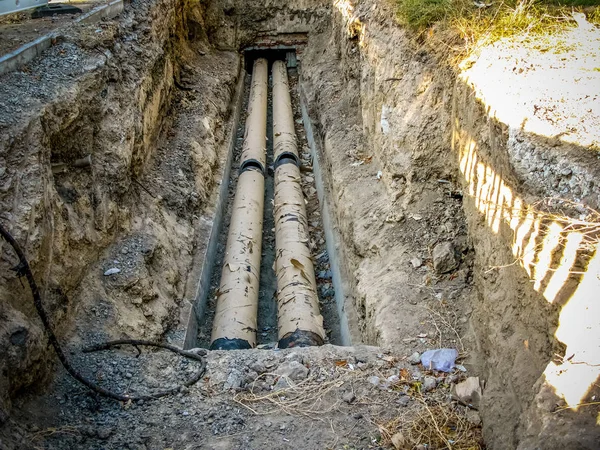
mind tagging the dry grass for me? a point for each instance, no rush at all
(309, 397)
(481, 22)
(438, 426)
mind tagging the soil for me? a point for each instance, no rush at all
(328, 397)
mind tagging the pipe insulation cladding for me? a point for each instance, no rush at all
(254, 151)
(299, 320)
(235, 319)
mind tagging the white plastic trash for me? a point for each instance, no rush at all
(441, 359)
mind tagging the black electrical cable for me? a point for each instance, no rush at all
(23, 270)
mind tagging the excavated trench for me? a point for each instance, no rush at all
(122, 187)
(204, 310)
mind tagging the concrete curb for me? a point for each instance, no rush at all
(107, 11)
(28, 52)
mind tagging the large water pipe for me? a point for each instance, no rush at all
(235, 321)
(299, 320)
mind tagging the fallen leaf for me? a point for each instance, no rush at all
(341, 363)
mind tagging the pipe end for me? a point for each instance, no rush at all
(230, 344)
(285, 158)
(252, 164)
(300, 338)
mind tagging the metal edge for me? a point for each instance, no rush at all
(349, 329)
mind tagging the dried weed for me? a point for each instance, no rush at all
(437, 426)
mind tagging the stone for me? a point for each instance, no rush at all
(399, 441)
(416, 262)
(348, 397)
(282, 383)
(468, 392)
(258, 367)
(294, 356)
(429, 384)
(444, 258)
(293, 370)
(104, 432)
(403, 401)
(473, 417)
(374, 380)
(235, 380)
(414, 359)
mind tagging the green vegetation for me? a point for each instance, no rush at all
(419, 14)
(490, 20)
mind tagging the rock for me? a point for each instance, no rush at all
(293, 370)
(416, 262)
(250, 377)
(235, 380)
(259, 367)
(444, 258)
(104, 432)
(398, 441)
(403, 401)
(473, 417)
(348, 397)
(429, 384)
(468, 391)
(414, 359)
(374, 380)
(282, 383)
(294, 357)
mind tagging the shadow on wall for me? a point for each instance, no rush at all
(555, 243)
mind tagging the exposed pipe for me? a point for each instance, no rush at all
(235, 319)
(300, 322)
(254, 152)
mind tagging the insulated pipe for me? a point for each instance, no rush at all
(234, 325)
(284, 134)
(254, 149)
(299, 320)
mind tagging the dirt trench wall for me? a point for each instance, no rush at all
(239, 23)
(533, 270)
(102, 91)
(381, 111)
(412, 159)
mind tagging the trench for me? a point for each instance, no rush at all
(322, 241)
(377, 205)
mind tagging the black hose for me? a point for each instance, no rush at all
(23, 269)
